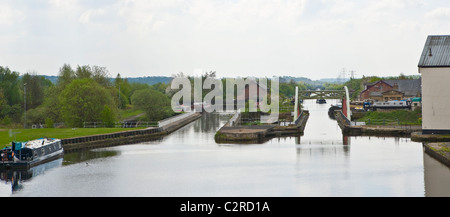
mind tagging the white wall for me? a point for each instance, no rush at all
(435, 98)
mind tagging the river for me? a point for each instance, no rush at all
(188, 163)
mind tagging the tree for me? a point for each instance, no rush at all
(35, 85)
(9, 83)
(66, 75)
(83, 72)
(52, 104)
(83, 100)
(3, 103)
(108, 116)
(156, 105)
(100, 75)
(123, 91)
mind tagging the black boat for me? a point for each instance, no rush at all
(321, 101)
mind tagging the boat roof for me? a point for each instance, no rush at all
(39, 142)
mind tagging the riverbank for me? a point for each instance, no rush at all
(88, 138)
(166, 127)
(7, 136)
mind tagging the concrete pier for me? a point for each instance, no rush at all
(233, 132)
(372, 130)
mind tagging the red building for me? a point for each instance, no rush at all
(385, 90)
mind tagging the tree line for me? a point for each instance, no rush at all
(81, 94)
(87, 94)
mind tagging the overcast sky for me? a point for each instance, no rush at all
(308, 38)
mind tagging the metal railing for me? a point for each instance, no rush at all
(389, 122)
(120, 124)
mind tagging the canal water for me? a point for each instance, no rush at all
(188, 163)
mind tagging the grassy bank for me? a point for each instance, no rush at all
(400, 117)
(60, 133)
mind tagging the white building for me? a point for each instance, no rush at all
(434, 66)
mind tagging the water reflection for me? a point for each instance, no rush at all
(16, 177)
(210, 122)
(86, 155)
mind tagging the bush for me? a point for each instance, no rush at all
(156, 105)
(84, 100)
(49, 123)
(108, 116)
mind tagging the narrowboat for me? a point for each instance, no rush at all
(28, 154)
(402, 104)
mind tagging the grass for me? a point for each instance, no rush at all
(126, 113)
(393, 117)
(60, 133)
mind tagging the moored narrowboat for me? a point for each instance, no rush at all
(31, 153)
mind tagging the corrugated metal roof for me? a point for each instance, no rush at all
(436, 52)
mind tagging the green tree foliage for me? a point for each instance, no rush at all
(155, 104)
(49, 123)
(51, 104)
(161, 87)
(66, 75)
(83, 100)
(36, 116)
(11, 100)
(9, 83)
(35, 87)
(3, 103)
(108, 116)
(123, 90)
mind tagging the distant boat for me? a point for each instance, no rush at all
(31, 153)
(321, 101)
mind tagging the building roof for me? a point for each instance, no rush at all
(436, 52)
(410, 87)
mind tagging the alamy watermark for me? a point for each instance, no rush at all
(239, 92)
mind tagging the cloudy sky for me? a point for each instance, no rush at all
(309, 38)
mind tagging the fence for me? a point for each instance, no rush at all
(120, 124)
(235, 120)
(389, 122)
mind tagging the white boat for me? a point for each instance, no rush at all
(31, 153)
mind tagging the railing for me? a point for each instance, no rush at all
(395, 122)
(84, 139)
(235, 119)
(120, 124)
(286, 108)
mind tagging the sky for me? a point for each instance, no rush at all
(300, 38)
